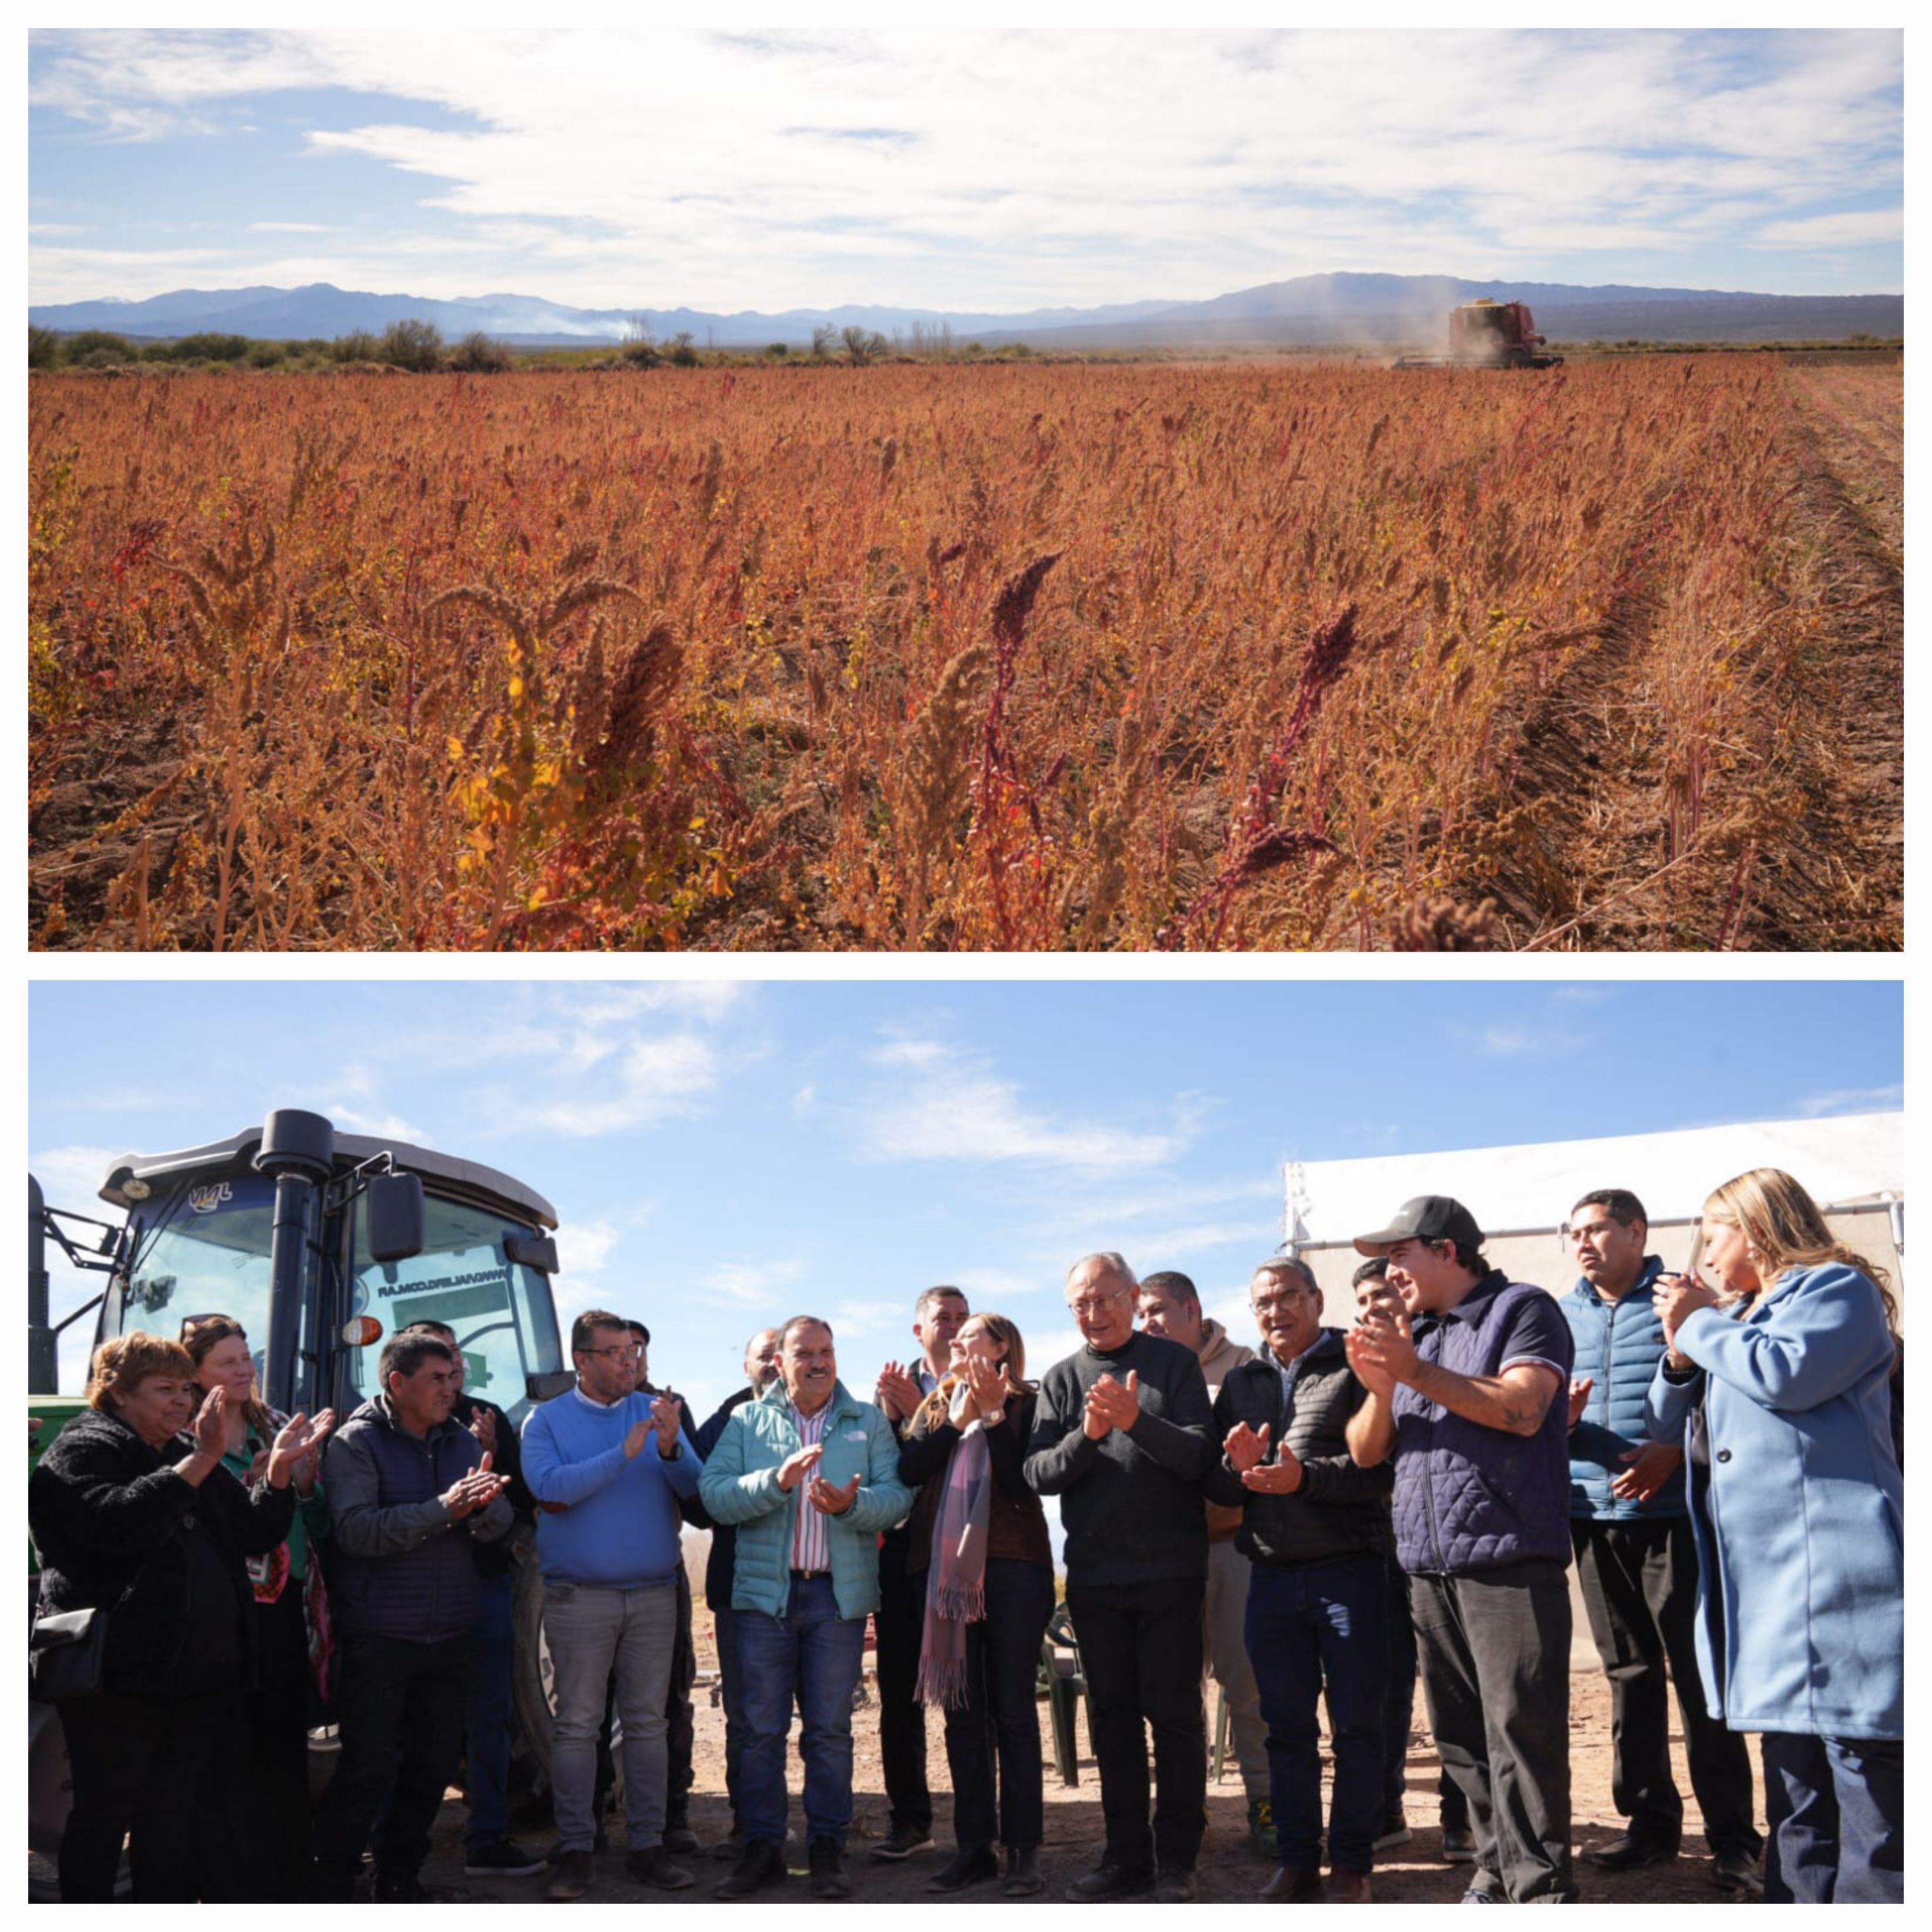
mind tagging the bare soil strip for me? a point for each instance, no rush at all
(1811, 855)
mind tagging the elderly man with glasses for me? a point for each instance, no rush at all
(1122, 1435)
(1315, 1526)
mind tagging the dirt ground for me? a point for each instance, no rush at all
(1229, 1871)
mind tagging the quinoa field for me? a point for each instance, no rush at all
(1264, 655)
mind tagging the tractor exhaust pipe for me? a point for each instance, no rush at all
(297, 1153)
(43, 1350)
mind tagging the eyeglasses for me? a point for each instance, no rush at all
(630, 1349)
(1091, 1304)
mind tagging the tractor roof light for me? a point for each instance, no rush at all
(362, 1331)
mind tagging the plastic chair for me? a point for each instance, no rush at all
(1065, 1679)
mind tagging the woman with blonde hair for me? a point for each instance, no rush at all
(978, 1532)
(269, 1783)
(1779, 1380)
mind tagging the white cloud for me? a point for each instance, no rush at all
(753, 1284)
(584, 1247)
(1511, 1042)
(1000, 169)
(951, 1109)
(1854, 228)
(289, 228)
(804, 1099)
(915, 1053)
(1853, 1100)
(379, 1126)
(71, 1177)
(657, 1079)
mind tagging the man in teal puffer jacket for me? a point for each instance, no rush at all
(809, 1475)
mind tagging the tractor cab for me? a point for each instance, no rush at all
(454, 1242)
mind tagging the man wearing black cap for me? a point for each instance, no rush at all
(1467, 1393)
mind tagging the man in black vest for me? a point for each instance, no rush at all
(410, 1493)
(1467, 1394)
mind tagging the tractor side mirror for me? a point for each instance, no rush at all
(394, 1206)
(534, 1251)
(546, 1385)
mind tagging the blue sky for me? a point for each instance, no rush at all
(724, 169)
(721, 1152)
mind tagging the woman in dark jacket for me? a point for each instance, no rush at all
(979, 1533)
(132, 1517)
(266, 1784)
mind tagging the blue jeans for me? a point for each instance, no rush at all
(1836, 1810)
(811, 1646)
(1322, 1623)
(488, 1746)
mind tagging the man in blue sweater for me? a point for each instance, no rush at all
(608, 1465)
(1636, 1560)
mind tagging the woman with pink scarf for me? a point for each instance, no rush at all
(979, 1533)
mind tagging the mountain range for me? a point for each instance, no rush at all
(1310, 311)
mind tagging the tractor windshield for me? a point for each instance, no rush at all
(204, 1251)
(500, 1309)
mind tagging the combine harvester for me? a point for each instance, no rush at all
(1489, 335)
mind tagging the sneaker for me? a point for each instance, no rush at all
(1176, 1885)
(903, 1840)
(1293, 1885)
(654, 1868)
(1459, 1845)
(1349, 1887)
(1261, 1828)
(761, 1865)
(1628, 1852)
(828, 1869)
(1110, 1881)
(1398, 1833)
(970, 1865)
(1473, 1897)
(572, 1879)
(1022, 1880)
(504, 1859)
(1738, 1871)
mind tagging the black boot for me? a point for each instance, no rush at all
(1023, 1879)
(972, 1865)
(761, 1865)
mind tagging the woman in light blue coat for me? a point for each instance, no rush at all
(1781, 1389)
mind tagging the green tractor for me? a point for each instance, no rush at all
(320, 1244)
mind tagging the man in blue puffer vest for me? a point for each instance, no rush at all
(1467, 1394)
(1636, 1561)
(810, 1476)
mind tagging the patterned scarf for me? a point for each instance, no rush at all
(956, 1584)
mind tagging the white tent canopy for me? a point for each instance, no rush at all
(1521, 1195)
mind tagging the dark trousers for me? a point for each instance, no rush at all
(680, 1730)
(272, 1855)
(1494, 1648)
(149, 1770)
(997, 1722)
(1317, 1626)
(1399, 1714)
(1640, 1585)
(400, 1708)
(898, 1622)
(1836, 1808)
(486, 1724)
(1142, 1647)
(731, 1689)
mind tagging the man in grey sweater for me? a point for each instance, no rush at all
(1124, 1435)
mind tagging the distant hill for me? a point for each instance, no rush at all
(1309, 311)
